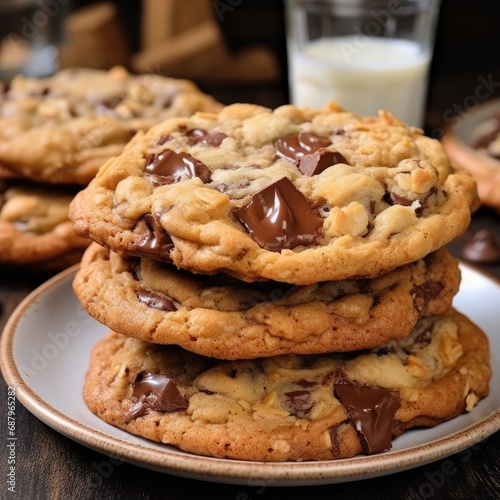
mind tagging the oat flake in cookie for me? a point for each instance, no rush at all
(290, 407)
(62, 128)
(296, 195)
(222, 317)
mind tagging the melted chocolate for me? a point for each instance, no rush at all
(280, 217)
(156, 300)
(483, 248)
(157, 392)
(169, 167)
(212, 138)
(293, 147)
(315, 163)
(157, 241)
(372, 411)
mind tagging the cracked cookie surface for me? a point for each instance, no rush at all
(225, 318)
(62, 128)
(290, 407)
(296, 195)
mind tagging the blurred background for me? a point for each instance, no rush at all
(235, 49)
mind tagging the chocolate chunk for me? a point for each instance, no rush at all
(157, 241)
(419, 342)
(306, 383)
(293, 147)
(298, 403)
(157, 392)
(372, 411)
(134, 264)
(171, 167)
(156, 300)
(423, 203)
(163, 139)
(212, 138)
(113, 101)
(167, 100)
(315, 163)
(483, 248)
(396, 199)
(423, 293)
(108, 106)
(334, 437)
(280, 217)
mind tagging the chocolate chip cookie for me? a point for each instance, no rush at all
(226, 318)
(290, 407)
(477, 150)
(34, 227)
(295, 195)
(62, 128)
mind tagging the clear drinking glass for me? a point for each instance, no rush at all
(365, 55)
(29, 33)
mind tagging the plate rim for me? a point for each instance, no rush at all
(225, 470)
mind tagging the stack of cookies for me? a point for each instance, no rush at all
(276, 284)
(55, 133)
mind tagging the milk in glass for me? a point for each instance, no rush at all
(362, 76)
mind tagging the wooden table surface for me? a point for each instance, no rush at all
(49, 465)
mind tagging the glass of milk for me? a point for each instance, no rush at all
(366, 55)
(30, 31)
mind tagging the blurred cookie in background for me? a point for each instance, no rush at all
(472, 143)
(35, 232)
(62, 128)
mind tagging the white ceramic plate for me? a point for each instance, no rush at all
(44, 353)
